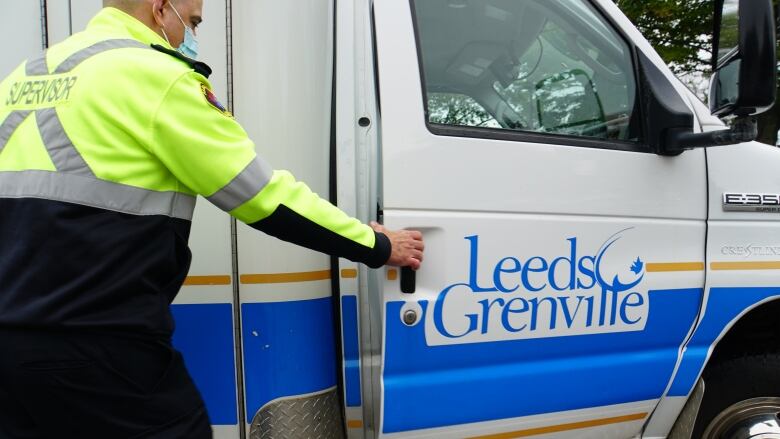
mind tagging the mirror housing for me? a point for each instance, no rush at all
(669, 121)
(744, 81)
(667, 115)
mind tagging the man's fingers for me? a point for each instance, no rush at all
(407, 246)
(416, 246)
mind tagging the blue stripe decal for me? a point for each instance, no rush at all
(435, 386)
(724, 304)
(204, 336)
(349, 318)
(289, 350)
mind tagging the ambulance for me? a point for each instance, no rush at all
(602, 249)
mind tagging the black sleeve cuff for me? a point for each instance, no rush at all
(382, 250)
(288, 225)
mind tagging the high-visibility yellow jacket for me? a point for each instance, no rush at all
(104, 143)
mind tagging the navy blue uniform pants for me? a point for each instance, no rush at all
(87, 385)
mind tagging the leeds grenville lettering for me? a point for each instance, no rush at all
(537, 296)
(41, 91)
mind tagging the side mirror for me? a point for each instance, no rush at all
(744, 58)
(743, 85)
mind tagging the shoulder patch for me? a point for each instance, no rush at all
(213, 101)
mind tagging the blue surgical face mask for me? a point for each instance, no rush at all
(189, 47)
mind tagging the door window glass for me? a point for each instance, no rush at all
(458, 109)
(526, 65)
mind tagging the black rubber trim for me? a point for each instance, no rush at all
(534, 137)
(288, 225)
(199, 67)
(335, 277)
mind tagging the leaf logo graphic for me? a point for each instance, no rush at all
(637, 266)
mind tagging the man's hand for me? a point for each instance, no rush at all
(407, 245)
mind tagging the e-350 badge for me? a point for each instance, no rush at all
(745, 202)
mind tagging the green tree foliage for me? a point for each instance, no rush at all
(681, 32)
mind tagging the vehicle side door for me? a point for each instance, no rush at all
(564, 260)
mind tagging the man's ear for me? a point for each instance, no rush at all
(157, 11)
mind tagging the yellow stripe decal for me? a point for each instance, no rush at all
(392, 274)
(276, 278)
(564, 427)
(657, 267)
(207, 280)
(355, 423)
(764, 265)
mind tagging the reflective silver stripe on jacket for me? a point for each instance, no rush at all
(103, 194)
(244, 186)
(10, 124)
(64, 155)
(37, 67)
(77, 58)
(74, 181)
